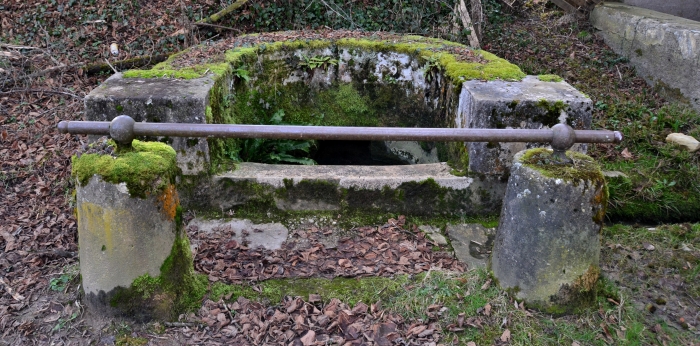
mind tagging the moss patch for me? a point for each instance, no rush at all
(147, 169)
(584, 168)
(447, 54)
(550, 78)
(176, 290)
(349, 290)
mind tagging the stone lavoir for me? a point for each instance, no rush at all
(304, 78)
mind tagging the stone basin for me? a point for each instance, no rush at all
(343, 79)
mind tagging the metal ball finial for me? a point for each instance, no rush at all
(121, 129)
(563, 138)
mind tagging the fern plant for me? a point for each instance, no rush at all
(277, 150)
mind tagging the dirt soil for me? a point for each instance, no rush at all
(39, 286)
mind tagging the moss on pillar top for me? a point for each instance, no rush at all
(583, 167)
(147, 168)
(459, 62)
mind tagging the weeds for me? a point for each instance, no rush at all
(277, 150)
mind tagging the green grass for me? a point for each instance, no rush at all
(457, 293)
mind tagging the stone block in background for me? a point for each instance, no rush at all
(528, 104)
(664, 49)
(157, 100)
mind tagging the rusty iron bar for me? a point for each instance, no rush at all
(123, 129)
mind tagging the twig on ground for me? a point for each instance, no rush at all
(218, 15)
(217, 26)
(38, 91)
(338, 12)
(179, 324)
(14, 46)
(13, 81)
(110, 65)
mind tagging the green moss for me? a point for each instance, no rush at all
(349, 290)
(550, 78)
(176, 290)
(552, 112)
(426, 48)
(147, 168)
(584, 168)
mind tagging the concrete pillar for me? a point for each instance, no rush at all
(126, 206)
(547, 246)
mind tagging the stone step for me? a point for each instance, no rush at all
(427, 189)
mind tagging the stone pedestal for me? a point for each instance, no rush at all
(127, 226)
(547, 246)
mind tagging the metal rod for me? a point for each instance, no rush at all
(130, 130)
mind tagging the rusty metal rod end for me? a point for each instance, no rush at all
(618, 136)
(63, 126)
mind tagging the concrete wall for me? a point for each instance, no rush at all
(664, 49)
(689, 9)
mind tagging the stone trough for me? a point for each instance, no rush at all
(302, 78)
(354, 79)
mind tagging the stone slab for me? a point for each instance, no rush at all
(518, 105)
(688, 9)
(664, 49)
(434, 234)
(472, 243)
(159, 100)
(403, 189)
(269, 236)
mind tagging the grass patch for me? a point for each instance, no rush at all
(448, 298)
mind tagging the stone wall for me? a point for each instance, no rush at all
(664, 49)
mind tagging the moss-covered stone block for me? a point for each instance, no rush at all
(547, 246)
(134, 259)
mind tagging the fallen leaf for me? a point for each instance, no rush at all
(626, 154)
(309, 338)
(505, 337)
(487, 309)
(486, 285)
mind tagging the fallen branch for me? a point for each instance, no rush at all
(14, 46)
(216, 26)
(90, 68)
(462, 13)
(127, 64)
(13, 81)
(218, 15)
(38, 91)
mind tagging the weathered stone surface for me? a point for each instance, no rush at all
(664, 49)
(120, 238)
(434, 234)
(472, 243)
(428, 189)
(158, 100)
(547, 246)
(266, 235)
(528, 104)
(688, 142)
(681, 8)
(404, 152)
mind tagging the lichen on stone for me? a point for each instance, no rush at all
(582, 168)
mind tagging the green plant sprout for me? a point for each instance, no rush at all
(277, 150)
(317, 62)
